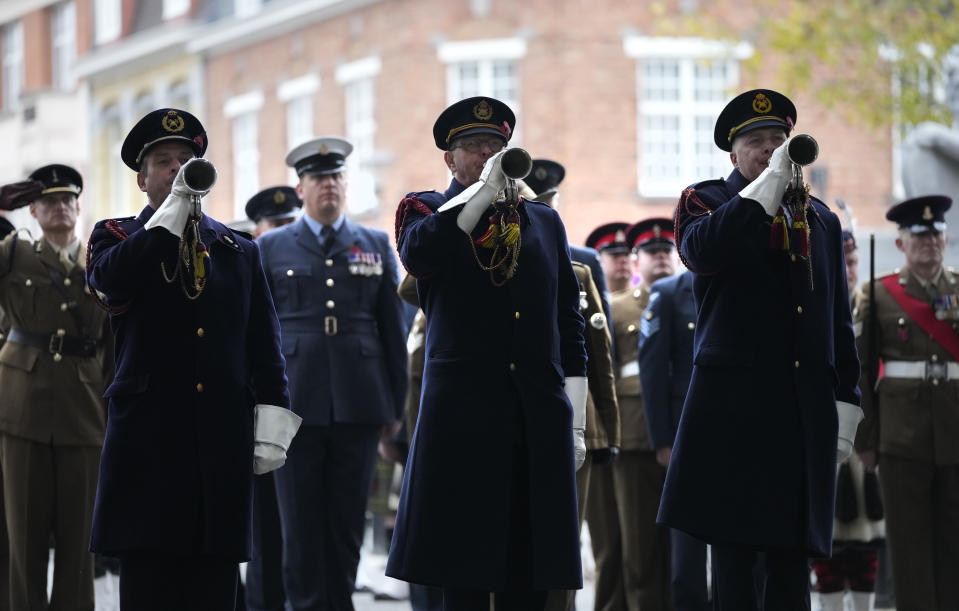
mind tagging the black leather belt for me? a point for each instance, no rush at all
(54, 343)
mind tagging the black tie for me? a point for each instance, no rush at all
(329, 235)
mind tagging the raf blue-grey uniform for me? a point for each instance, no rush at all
(665, 366)
(493, 408)
(176, 472)
(345, 347)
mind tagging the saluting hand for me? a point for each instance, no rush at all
(19, 194)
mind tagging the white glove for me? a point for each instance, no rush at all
(273, 430)
(849, 416)
(576, 389)
(476, 198)
(173, 213)
(769, 187)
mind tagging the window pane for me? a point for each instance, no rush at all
(12, 65)
(106, 20)
(469, 84)
(246, 159)
(660, 80)
(64, 44)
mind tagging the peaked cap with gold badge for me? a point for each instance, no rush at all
(320, 156)
(162, 125)
(273, 204)
(58, 178)
(752, 110)
(651, 233)
(544, 176)
(609, 238)
(479, 115)
(921, 214)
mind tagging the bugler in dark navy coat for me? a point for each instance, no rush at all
(176, 472)
(343, 331)
(666, 355)
(494, 354)
(754, 461)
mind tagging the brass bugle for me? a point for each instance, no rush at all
(516, 163)
(802, 149)
(199, 175)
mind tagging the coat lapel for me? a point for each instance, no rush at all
(344, 238)
(306, 238)
(913, 288)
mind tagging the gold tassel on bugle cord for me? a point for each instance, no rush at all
(192, 260)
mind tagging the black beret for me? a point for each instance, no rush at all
(57, 178)
(162, 125)
(752, 110)
(479, 115)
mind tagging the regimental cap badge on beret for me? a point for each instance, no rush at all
(476, 115)
(274, 203)
(320, 156)
(752, 110)
(162, 125)
(651, 233)
(609, 238)
(58, 178)
(921, 214)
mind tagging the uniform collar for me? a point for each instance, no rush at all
(316, 226)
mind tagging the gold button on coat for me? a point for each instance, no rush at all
(512, 366)
(796, 364)
(330, 282)
(67, 282)
(516, 315)
(330, 304)
(691, 326)
(200, 332)
(289, 272)
(799, 309)
(29, 282)
(329, 262)
(199, 387)
(631, 328)
(64, 307)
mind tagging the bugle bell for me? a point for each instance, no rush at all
(199, 175)
(516, 163)
(802, 149)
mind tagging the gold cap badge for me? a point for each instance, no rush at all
(620, 236)
(278, 197)
(172, 122)
(483, 110)
(927, 214)
(762, 104)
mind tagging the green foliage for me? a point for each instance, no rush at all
(877, 62)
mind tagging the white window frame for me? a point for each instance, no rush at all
(298, 95)
(485, 55)
(63, 44)
(107, 20)
(175, 8)
(358, 79)
(13, 65)
(693, 119)
(242, 110)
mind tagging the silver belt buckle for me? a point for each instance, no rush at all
(329, 325)
(936, 371)
(56, 343)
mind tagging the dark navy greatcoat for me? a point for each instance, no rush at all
(176, 472)
(666, 355)
(357, 375)
(496, 359)
(754, 461)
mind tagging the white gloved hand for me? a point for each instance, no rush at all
(769, 187)
(476, 198)
(576, 390)
(173, 213)
(273, 430)
(849, 416)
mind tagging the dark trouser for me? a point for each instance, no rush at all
(785, 574)
(639, 486)
(156, 581)
(426, 598)
(603, 519)
(688, 572)
(518, 595)
(49, 492)
(322, 492)
(264, 571)
(562, 600)
(922, 529)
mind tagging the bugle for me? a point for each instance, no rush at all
(199, 176)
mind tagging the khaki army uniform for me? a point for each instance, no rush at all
(602, 411)
(637, 479)
(53, 375)
(912, 422)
